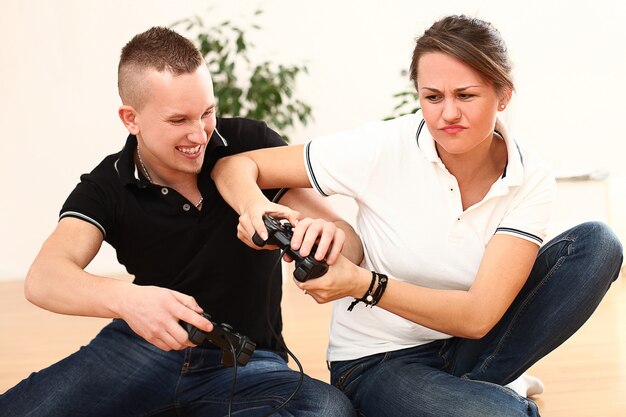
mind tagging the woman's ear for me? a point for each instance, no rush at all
(505, 98)
(128, 115)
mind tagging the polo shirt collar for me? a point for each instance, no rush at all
(127, 169)
(125, 164)
(514, 170)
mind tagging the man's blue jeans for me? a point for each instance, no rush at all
(461, 377)
(120, 374)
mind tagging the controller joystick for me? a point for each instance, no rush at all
(279, 234)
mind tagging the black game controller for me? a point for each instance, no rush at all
(224, 337)
(279, 234)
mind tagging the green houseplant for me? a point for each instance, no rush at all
(407, 101)
(262, 91)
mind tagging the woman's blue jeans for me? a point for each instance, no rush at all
(120, 374)
(463, 377)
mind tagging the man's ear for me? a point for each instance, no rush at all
(128, 115)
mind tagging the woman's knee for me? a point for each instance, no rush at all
(598, 238)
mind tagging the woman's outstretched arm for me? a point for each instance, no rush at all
(240, 178)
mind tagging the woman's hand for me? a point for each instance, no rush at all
(343, 279)
(328, 238)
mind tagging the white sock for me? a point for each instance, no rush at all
(526, 385)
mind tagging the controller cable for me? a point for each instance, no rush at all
(232, 384)
(281, 342)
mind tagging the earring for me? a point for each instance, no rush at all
(502, 106)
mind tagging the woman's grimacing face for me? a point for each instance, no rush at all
(458, 105)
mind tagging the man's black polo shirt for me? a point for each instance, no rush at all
(163, 240)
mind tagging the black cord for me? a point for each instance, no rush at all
(281, 341)
(232, 385)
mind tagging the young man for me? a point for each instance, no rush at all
(156, 204)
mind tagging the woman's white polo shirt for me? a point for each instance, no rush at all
(412, 223)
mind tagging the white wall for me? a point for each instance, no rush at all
(58, 97)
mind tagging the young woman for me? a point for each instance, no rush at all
(457, 294)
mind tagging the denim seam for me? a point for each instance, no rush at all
(341, 381)
(277, 398)
(187, 361)
(184, 369)
(161, 410)
(524, 305)
(241, 400)
(501, 388)
(344, 376)
(442, 354)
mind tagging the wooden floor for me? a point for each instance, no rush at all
(586, 377)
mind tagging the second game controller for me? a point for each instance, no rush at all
(279, 234)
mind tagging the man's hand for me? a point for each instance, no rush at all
(251, 221)
(306, 232)
(154, 314)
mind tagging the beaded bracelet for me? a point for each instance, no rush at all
(372, 299)
(382, 286)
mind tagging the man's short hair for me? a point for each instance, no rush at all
(159, 49)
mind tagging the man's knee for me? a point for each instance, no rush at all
(323, 399)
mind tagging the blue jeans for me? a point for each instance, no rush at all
(120, 374)
(463, 377)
